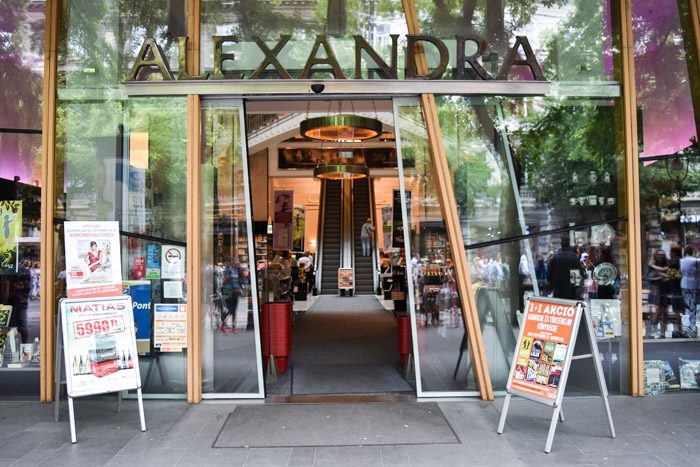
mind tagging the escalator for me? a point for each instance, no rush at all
(332, 236)
(364, 274)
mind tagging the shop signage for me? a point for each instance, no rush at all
(99, 348)
(10, 232)
(282, 233)
(93, 259)
(543, 355)
(520, 54)
(170, 327)
(345, 278)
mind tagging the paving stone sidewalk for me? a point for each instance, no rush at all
(650, 431)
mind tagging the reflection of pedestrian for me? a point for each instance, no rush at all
(564, 272)
(94, 257)
(19, 299)
(366, 237)
(659, 298)
(231, 290)
(690, 282)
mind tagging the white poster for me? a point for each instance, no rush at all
(172, 289)
(170, 327)
(99, 345)
(93, 259)
(172, 262)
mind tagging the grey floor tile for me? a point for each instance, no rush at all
(303, 456)
(626, 460)
(348, 455)
(213, 456)
(268, 457)
(445, 454)
(394, 455)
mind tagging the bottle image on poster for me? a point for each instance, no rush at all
(97, 334)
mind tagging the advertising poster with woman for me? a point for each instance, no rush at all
(10, 231)
(93, 259)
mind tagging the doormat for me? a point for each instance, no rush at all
(299, 425)
(347, 378)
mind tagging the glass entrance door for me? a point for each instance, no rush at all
(442, 359)
(230, 346)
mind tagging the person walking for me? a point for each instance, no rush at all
(366, 237)
(690, 283)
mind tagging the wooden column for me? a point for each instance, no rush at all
(48, 202)
(634, 235)
(448, 207)
(194, 239)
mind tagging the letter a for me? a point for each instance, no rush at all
(158, 60)
(512, 59)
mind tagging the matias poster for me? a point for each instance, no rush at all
(543, 348)
(93, 259)
(100, 345)
(10, 231)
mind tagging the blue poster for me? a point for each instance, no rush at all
(152, 262)
(140, 292)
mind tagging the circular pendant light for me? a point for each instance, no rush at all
(341, 171)
(341, 128)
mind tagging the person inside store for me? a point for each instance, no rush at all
(659, 296)
(564, 272)
(366, 237)
(306, 263)
(675, 296)
(690, 283)
(541, 274)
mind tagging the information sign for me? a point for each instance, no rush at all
(543, 355)
(93, 259)
(140, 293)
(170, 327)
(345, 278)
(173, 262)
(152, 262)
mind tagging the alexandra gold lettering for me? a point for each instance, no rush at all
(183, 61)
(150, 48)
(329, 59)
(512, 59)
(471, 59)
(271, 57)
(412, 59)
(220, 57)
(385, 71)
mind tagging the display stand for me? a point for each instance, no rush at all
(101, 326)
(562, 328)
(59, 378)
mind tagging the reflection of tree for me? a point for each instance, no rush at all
(21, 39)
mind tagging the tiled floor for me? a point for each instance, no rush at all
(650, 431)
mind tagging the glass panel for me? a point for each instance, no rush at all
(21, 64)
(101, 40)
(668, 98)
(571, 39)
(231, 362)
(20, 216)
(126, 161)
(536, 183)
(442, 361)
(373, 20)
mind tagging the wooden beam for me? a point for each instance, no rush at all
(194, 216)
(448, 207)
(632, 193)
(48, 201)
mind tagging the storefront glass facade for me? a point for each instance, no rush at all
(531, 175)
(668, 103)
(21, 74)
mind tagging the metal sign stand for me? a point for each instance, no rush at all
(58, 380)
(557, 405)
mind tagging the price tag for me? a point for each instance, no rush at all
(87, 328)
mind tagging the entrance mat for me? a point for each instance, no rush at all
(299, 425)
(347, 378)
